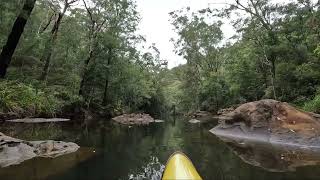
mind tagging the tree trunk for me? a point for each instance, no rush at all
(106, 87)
(273, 77)
(85, 72)
(105, 94)
(46, 57)
(14, 36)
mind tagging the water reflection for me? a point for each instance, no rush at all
(42, 168)
(275, 158)
(140, 152)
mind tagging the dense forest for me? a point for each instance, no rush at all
(274, 54)
(77, 53)
(88, 54)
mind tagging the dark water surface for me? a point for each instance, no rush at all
(113, 152)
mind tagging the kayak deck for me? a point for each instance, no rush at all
(180, 167)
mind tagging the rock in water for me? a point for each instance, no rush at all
(272, 122)
(194, 121)
(37, 120)
(158, 121)
(131, 119)
(203, 117)
(14, 151)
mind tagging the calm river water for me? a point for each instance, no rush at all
(113, 152)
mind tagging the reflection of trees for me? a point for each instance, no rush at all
(123, 150)
(275, 158)
(215, 160)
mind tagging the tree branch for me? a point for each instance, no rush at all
(88, 11)
(256, 13)
(47, 25)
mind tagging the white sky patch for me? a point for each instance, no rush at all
(155, 25)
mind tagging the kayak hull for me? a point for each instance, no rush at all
(180, 167)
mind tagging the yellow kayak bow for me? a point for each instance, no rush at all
(179, 167)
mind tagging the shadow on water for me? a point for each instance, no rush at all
(122, 152)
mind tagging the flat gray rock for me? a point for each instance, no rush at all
(37, 120)
(14, 151)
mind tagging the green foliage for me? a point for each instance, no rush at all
(197, 43)
(275, 57)
(100, 52)
(26, 100)
(317, 51)
(100, 62)
(313, 105)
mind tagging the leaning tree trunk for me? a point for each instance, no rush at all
(14, 36)
(46, 57)
(85, 72)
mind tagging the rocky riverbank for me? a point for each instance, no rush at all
(272, 122)
(14, 151)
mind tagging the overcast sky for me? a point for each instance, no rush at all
(155, 25)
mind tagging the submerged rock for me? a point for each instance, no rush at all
(37, 120)
(194, 121)
(158, 121)
(202, 117)
(131, 119)
(272, 122)
(14, 151)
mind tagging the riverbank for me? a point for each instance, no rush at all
(38, 100)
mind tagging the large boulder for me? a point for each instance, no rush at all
(14, 151)
(272, 122)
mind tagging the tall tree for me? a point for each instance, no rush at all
(262, 17)
(97, 20)
(46, 57)
(111, 26)
(14, 36)
(197, 43)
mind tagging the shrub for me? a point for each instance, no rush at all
(313, 105)
(26, 100)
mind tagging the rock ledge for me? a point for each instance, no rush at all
(14, 151)
(272, 122)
